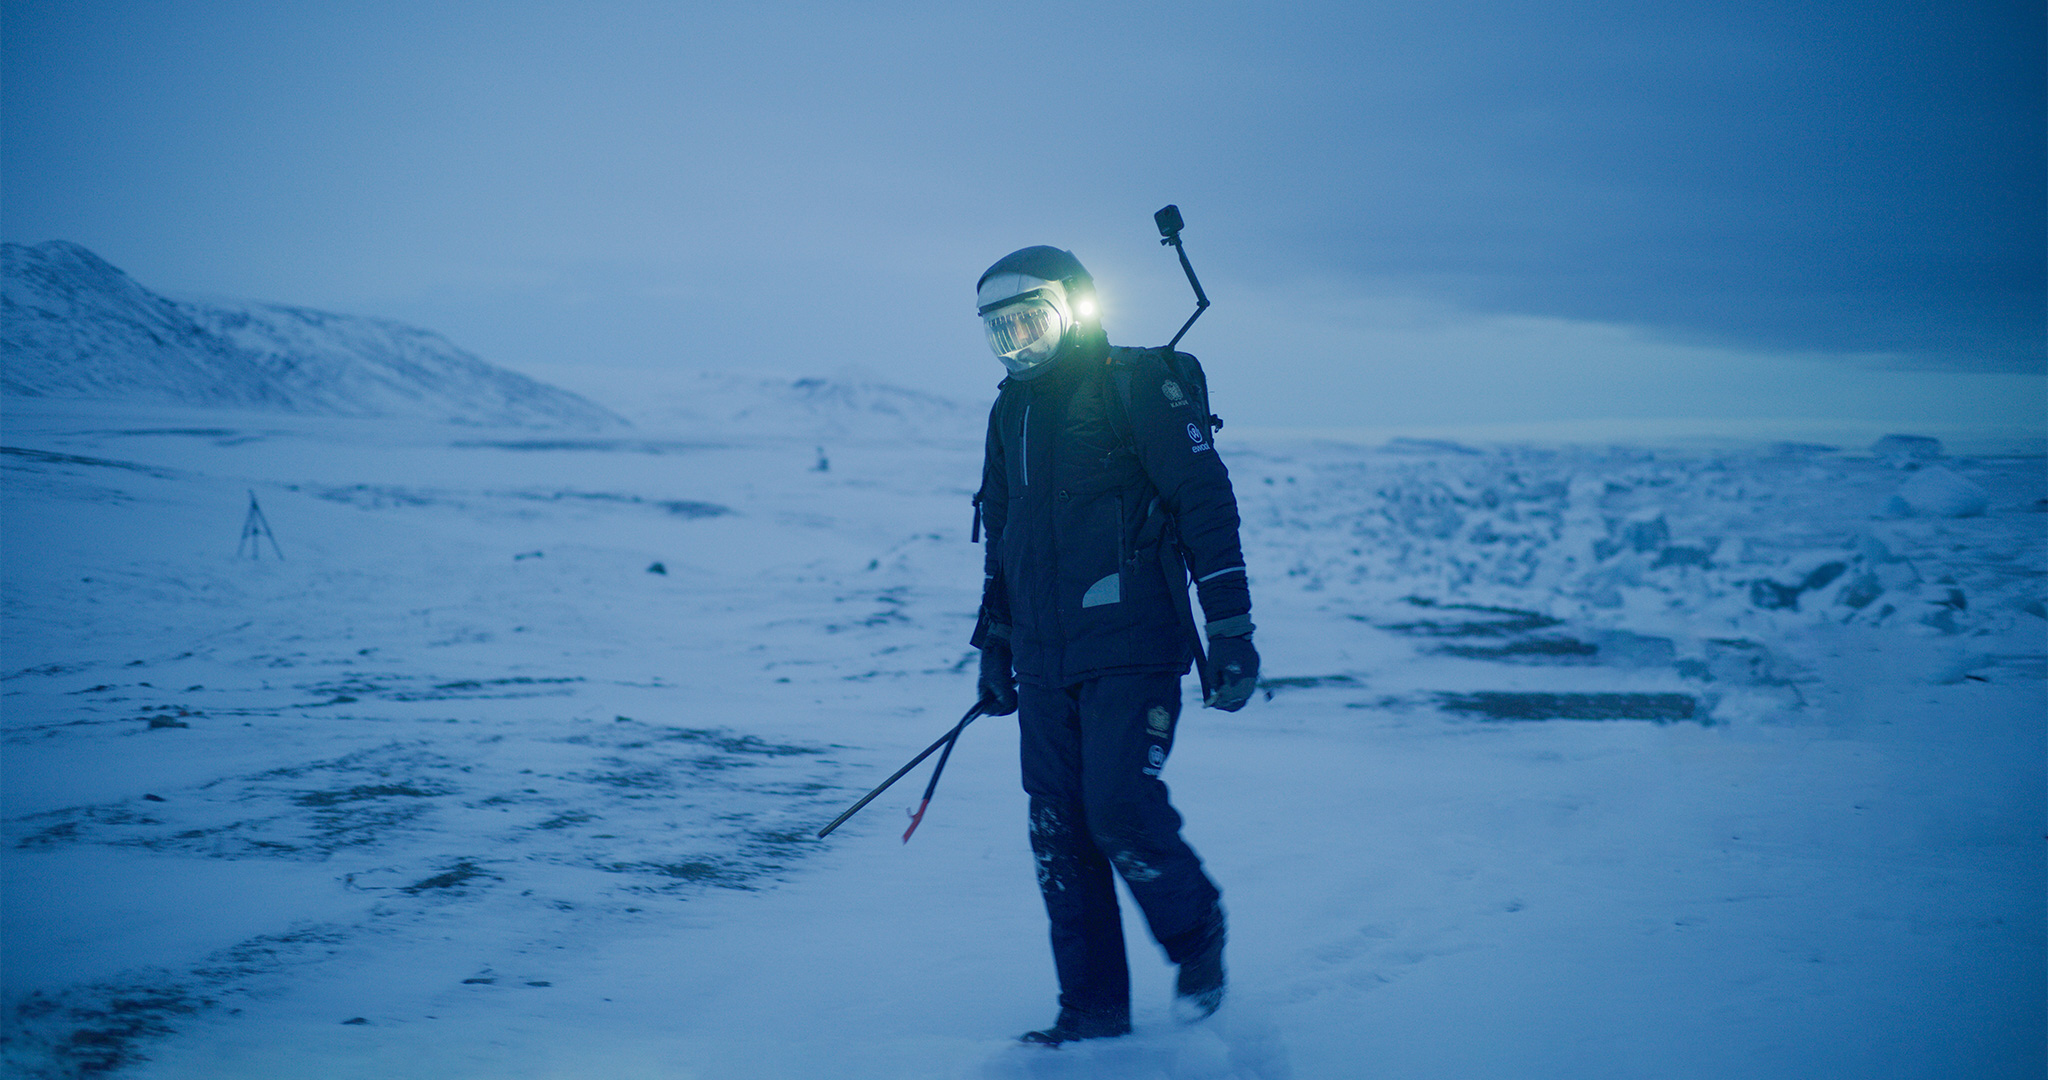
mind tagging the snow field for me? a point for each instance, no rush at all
(463, 769)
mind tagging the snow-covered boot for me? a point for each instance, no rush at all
(1198, 990)
(1075, 1025)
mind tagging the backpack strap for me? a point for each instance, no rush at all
(1172, 559)
(1118, 403)
(974, 531)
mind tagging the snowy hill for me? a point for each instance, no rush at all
(73, 326)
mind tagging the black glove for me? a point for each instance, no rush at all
(998, 683)
(1233, 672)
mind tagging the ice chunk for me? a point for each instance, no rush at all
(1402, 444)
(1821, 575)
(1741, 661)
(1682, 555)
(1769, 595)
(1872, 549)
(1798, 449)
(1860, 591)
(1646, 531)
(1937, 492)
(1910, 447)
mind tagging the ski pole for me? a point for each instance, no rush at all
(945, 740)
(918, 814)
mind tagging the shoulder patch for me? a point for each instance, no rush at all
(1174, 394)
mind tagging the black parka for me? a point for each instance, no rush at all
(1083, 499)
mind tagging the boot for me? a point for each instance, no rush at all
(1074, 1025)
(1198, 990)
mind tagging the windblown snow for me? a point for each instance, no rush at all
(72, 326)
(1588, 761)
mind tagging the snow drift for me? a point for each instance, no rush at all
(73, 326)
(1937, 492)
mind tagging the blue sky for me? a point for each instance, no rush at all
(1425, 214)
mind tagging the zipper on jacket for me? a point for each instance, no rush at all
(1024, 446)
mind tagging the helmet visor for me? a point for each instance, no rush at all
(1025, 334)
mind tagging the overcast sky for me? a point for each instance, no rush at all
(1415, 213)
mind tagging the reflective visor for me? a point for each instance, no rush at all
(1024, 334)
(1014, 329)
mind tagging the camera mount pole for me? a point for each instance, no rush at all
(1170, 224)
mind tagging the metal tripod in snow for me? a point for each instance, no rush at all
(255, 529)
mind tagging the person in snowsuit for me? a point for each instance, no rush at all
(1102, 496)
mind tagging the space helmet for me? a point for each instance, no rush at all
(1033, 304)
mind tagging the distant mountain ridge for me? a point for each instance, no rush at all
(74, 326)
(846, 404)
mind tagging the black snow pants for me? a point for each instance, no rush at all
(1092, 753)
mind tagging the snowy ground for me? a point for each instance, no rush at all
(1575, 763)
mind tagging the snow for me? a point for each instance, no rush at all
(460, 788)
